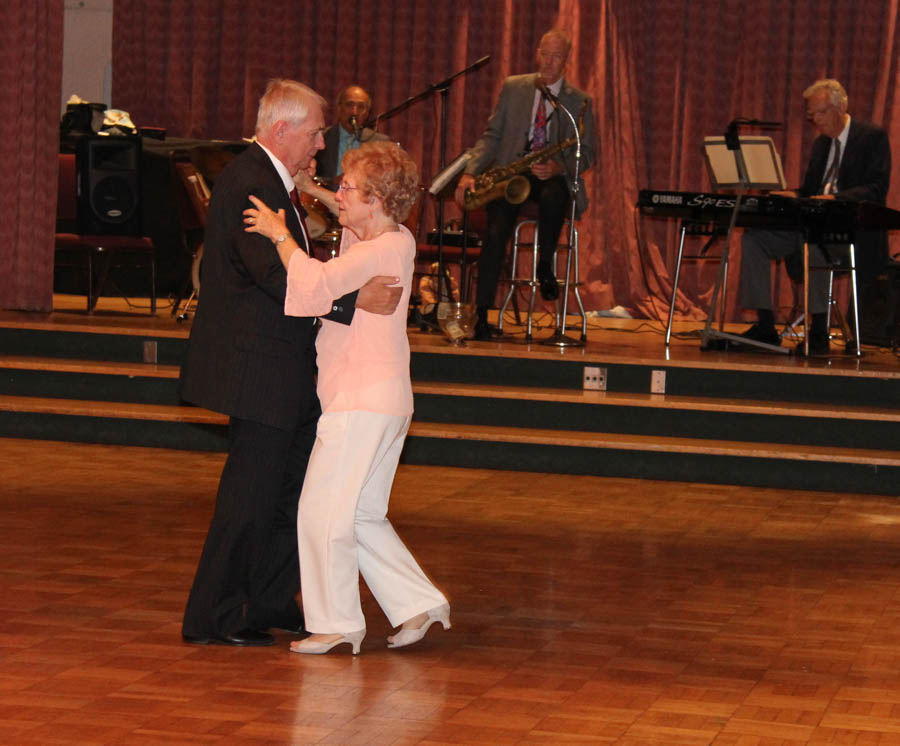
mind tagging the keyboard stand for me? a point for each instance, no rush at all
(742, 184)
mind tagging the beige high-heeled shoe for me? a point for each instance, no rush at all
(408, 636)
(312, 647)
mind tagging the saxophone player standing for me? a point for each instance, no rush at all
(525, 122)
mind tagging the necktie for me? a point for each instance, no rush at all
(829, 186)
(301, 211)
(539, 138)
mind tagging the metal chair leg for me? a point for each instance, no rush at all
(512, 279)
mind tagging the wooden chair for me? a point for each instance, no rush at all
(98, 254)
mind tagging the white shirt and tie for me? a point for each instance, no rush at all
(541, 100)
(291, 189)
(833, 167)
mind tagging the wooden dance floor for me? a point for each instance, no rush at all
(585, 610)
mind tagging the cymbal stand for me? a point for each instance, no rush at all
(442, 87)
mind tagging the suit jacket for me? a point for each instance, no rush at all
(327, 159)
(245, 358)
(865, 174)
(506, 136)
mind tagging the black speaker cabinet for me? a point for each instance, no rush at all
(109, 185)
(879, 315)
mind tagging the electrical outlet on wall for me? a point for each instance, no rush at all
(594, 378)
(658, 382)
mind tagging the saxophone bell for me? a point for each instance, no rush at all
(514, 189)
(517, 190)
(508, 181)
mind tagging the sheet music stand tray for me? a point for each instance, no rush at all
(741, 163)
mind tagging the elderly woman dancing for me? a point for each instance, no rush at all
(367, 404)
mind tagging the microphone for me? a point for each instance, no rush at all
(554, 101)
(732, 141)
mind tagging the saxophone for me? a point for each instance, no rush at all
(507, 181)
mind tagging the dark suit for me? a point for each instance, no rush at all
(327, 158)
(245, 358)
(504, 141)
(864, 174)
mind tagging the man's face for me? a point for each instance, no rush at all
(354, 102)
(827, 118)
(551, 59)
(299, 143)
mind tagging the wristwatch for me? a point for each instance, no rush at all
(281, 239)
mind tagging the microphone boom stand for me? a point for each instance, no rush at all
(559, 338)
(442, 87)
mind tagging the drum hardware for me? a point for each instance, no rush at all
(318, 216)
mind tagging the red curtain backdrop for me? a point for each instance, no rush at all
(663, 74)
(30, 80)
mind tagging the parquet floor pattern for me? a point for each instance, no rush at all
(585, 610)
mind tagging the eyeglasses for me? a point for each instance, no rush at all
(342, 187)
(555, 56)
(821, 110)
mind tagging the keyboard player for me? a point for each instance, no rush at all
(850, 160)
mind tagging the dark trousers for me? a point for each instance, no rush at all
(552, 197)
(249, 571)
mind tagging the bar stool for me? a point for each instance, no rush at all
(839, 257)
(518, 280)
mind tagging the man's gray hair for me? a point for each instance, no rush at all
(286, 100)
(836, 93)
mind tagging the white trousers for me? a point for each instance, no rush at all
(343, 530)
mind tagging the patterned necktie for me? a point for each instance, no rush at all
(301, 211)
(539, 138)
(829, 186)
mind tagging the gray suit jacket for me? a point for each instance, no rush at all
(326, 159)
(506, 136)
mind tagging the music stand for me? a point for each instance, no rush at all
(741, 163)
(760, 158)
(442, 188)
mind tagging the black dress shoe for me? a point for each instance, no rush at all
(241, 638)
(818, 345)
(549, 286)
(766, 334)
(485, 332)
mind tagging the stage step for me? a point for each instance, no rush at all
(707, 418)
(114, 423)
(489, 446)
(724, 419)
(747, 376)
(655, 457)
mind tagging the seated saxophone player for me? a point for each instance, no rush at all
(525, 122)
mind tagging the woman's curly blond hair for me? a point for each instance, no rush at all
(385, 171)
